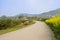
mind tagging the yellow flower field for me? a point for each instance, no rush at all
(54, 24)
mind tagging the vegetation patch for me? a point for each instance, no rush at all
(8, 24)
(54, 24)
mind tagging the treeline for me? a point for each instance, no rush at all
(9, 22)
(54, 24)
(6, 23)
(35, 18)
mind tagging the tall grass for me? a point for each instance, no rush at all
(54, 23)
(11, 24)
(6, 23)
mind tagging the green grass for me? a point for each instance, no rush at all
(14, 28)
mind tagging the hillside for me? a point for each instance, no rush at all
(42, 15)
(50, 13)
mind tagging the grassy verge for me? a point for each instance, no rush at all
(15, 28)
(54, 24)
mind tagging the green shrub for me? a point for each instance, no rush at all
(7, 23)
(54, 23)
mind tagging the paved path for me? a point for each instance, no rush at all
(37, 31)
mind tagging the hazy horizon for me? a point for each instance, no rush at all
(15, 7)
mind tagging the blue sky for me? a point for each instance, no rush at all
(15, 7)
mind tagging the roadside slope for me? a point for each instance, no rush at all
(37, 31)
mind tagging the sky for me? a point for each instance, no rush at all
(15, 7)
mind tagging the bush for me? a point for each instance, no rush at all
(54, 23)
(7, 23)
(4, 23)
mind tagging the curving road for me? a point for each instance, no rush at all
(37, 31)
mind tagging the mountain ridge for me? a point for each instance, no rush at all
(42, 15)
(50, 13)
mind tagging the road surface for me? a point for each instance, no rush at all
(37, 31)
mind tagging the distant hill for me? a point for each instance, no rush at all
(26, 14)
(50, 13)
(42, 15)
